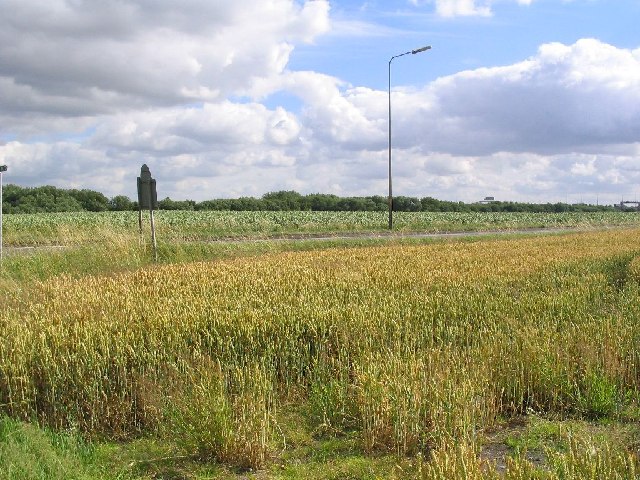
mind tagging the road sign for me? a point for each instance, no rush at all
(148, 199)
(147, 194)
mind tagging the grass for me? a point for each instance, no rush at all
(27, 452)
(118, 252)
(408, 359)
(528, 447)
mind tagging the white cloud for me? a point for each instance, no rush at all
(465, 8)
(99, 58)
(453, 8)
(578, 97)
(566, 98)
(585, 169)
(185, 88)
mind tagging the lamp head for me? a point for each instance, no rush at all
(3, 168)
(418, 50)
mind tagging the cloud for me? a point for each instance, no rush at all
(220, 126)
(579, 101)
(185, 88)
(453, 8)
(111, 56)
(579, 97)
(565, 98)
(464, 8)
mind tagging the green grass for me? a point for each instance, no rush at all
(530, 447)
(30, 453)
(555, 446)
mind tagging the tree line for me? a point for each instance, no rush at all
(18, 199)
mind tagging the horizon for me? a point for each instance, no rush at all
(486, 199)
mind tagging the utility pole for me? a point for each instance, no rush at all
(3, 168)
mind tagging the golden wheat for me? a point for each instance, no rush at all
(415, 347)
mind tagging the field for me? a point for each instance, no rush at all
(80, 228)
(512, 357)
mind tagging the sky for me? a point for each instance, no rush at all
(522, 100)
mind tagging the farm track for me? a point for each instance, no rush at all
(403, 235)
(347, 236)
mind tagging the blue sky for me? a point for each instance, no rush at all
(510, 34)
(528, 100)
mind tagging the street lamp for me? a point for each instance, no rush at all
(3, 168)
(412, 52)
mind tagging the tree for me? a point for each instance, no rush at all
(45, 199)
(285, 200)
(321, 202)
(52, 199)
(168, 204)
(121, 203)
(406, 204)
(90, 200)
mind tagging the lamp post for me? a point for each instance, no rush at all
(3, 168)
(412, 52)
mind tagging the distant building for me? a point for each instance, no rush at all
(488, 200)
(628, 205)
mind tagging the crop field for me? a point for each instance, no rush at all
(502, 358)
(82, 227)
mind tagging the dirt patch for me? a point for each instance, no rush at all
(501, 442)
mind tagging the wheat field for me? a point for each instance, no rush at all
(415, 348)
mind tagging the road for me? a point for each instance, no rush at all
(8, 250)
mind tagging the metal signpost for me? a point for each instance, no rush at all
(3, 168)
(148, 198)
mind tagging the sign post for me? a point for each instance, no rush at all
(3, 168)
(148, 198)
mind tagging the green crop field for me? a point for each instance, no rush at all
(81, 227)
(513, 357)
